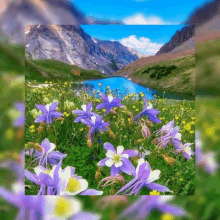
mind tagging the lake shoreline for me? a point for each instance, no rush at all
(158, 92)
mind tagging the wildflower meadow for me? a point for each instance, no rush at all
(78, 144)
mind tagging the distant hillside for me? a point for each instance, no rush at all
(55, 70)
(178, 39)
(71, 45)
(174, 73)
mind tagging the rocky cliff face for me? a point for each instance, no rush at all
(187, 32)
(70, 44)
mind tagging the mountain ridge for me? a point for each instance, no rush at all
(72, 45)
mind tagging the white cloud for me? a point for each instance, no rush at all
(141, 19)
(143, 45)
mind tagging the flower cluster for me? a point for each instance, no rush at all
(170, 134)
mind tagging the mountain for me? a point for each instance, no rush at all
(178, 39)
(71, 45)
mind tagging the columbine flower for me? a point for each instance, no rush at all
(71, 184)
(85, 113)
(30, 207)
(43, 178)
(45, 207)
(118, 160)
(109, 103)
(66, 208)
(96, 124)
(146, 204)
(143, 177)
(20, 121)
(205, 159)
(173, 137)
(48, 113)
(150, 112)
(46, 153)
(186, 150)
(166, 129)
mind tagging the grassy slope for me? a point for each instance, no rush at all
(54, 70)
(180, 81)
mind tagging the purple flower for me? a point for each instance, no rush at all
(96, 124)
(143, 177)
(30, 207)
(71, 184)
(166, 129)
(109, 103)
(20, 121)
(85, 113)
(172, 136)
(186, 150)
(43, 178)
(46, 153)
(205, 159)
(45, 207)
(150, 112)
(48, 113)
(118, 161)
(146, 204)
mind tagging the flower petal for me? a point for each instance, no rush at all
(89, 192)
(114, 171)
(42, 108)
(120, 149)
(109, 146)
(40, 118)
(131, 153)
(154, 175)
(157, 187)
(101, 163)
(110, 153)
(109, 163)
(118, 164)
(53, 107)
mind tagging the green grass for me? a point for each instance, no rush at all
(208, 67)
(175, 76)
(71, 139)
(57, 71)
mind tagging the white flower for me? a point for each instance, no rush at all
(57, 207)
(115, 158)
(110, 98)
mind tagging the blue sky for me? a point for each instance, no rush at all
(149, 11)
(146, 39)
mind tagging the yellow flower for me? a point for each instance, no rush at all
(137, 110)
(114, 108)
(184, 122)
(97, 91)
(104, 110)
(9, 134)
(210, 131)
(181, 179)
(176, 117)
(32, 126)
(142, 95)
(65, 84)
(187, 127)
(32, 130)
(192, 122)
(154, 193)
(134, 106)
(125, 107)
(81, 129)
(191, 132)
(167, 217)
(177, 173)
(100, 84)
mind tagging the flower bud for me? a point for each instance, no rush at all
(89, 143)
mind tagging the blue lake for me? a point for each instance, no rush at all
(121, 87)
